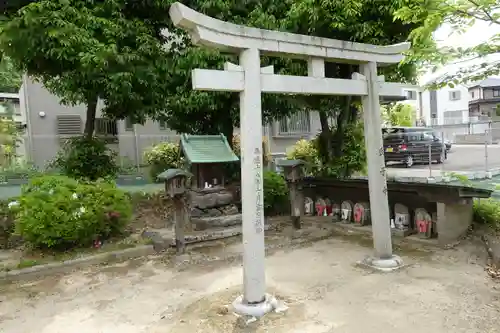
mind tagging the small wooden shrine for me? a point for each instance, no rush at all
(206, 155)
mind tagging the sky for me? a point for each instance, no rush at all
(476, 34)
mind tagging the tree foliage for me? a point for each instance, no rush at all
(460, 15)
(399, 114)
(9, 135)
(367, 21)
(113, 50)
(10, 77)
(93, 50)
(200, 112)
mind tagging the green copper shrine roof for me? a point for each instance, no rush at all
(207, 149)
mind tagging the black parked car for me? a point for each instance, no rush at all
(447, 144)
(401, 129)
(410, 147)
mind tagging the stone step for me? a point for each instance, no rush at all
(163, 239)
(203, 223)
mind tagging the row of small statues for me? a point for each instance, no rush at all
(359, 213)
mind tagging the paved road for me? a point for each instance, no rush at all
(465, 158)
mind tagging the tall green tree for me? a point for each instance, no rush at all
(365, 21)
(84, 51)
(398, 114)
(202, 112)
(459, 15)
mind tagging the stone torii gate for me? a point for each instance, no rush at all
(250, 80)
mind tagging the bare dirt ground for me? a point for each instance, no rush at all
(441, 291)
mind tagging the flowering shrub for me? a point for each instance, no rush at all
(60, 212)
(306, 151)
(351, 160)
(163, 156)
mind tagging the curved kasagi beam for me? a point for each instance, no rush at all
(205, 30)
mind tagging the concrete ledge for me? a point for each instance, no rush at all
(69, 265)
(301, 237)
(445, 176)
(164, 239)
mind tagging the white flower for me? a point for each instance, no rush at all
(74, 196)
(51, 192)
(79, 212)
(13, 204)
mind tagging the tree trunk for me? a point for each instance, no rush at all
(91, 116)
(325, 138)
(228, 131)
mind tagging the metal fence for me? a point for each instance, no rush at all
(473, 132)
(130, 147)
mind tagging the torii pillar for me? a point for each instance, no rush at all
(250, 80)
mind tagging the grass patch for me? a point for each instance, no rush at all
(25, 263)
(487, 212)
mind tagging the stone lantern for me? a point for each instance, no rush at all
(176, 187)
(294, 173)
(292, 169)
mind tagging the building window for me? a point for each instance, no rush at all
(298, 123)
(453, 117)
(472, 95)
(106, 128)
(411, 95)
(455, 95)
(496, 92)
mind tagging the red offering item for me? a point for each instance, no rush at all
(422, 226)
(319, 209)
(358, 215)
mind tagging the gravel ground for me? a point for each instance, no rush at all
(320, 283)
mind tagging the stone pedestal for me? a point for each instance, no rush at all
(389, 264)
(213, 208)
(241, 307)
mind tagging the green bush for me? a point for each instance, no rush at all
(60, 212)
(163, 156)
(275, 192)
(353, 156)
(85, 158)
(351, 160)
(487, 211)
